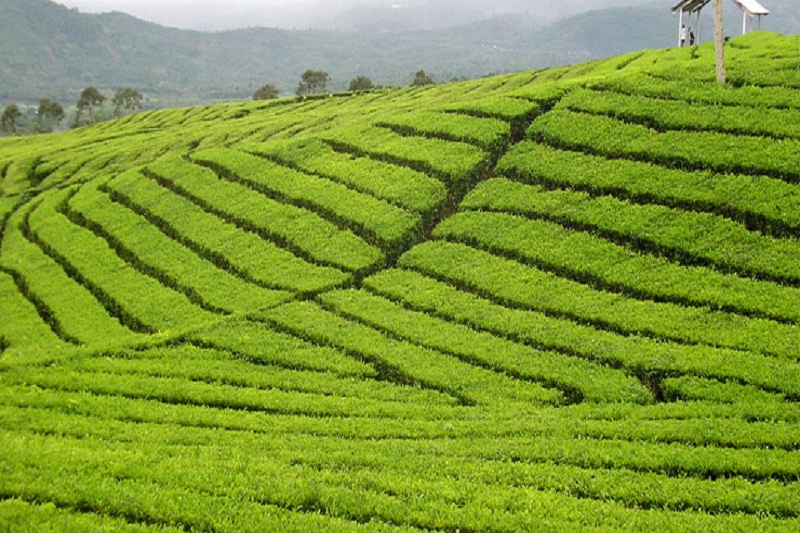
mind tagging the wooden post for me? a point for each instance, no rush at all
(697, 38)
(719, 41)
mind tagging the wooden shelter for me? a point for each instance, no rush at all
(750, 10)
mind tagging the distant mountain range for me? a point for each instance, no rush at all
(397, 15)
(51, 51)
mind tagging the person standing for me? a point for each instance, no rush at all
(684, 34)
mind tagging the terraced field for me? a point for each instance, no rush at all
(557, 300)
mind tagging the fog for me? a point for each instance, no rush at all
(385, 15)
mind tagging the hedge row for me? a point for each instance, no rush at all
(577, 256)
(360, 213)
(68, 306)
(213, 367)
(406, 363)
(488, 134)
(226, 245)
(398, 185)
(521, 287)
(455, 163)
(663, 114)
(683, 236)
(693, 92)
(316, 477)
(258, 344)
(137, 299)
(140, 242)
(719, 152)
(303, 232)
(579, 379)
(761, 204)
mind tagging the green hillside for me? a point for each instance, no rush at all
(557, 300)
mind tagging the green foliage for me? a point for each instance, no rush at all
(88, 102)
(361, 83)
(313, 82)
(690, 237)
(372, 219)
(406, 363)
(720, 152)
(390, 310)
(489, 134)
(756, 202)
(267, 92)
(420, 79)
(453, 162)
(576, 378)
(219, 240)
(10, 118)
(577, 256)
(396, 184)
(676, 115)
(50, 114)
(126, 100)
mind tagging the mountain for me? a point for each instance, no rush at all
(408, 15)
(51, 51)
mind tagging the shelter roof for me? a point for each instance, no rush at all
(689, 6)
(753, 7)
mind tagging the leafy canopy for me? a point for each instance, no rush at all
(50, 114)
(90, 99)
(361, 83)
(420, 78)
(267, 92)
(11, 115)
(313, 82)
(126, 99)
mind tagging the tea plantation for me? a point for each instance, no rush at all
(558, 300)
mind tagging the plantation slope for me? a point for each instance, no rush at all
(555, 300)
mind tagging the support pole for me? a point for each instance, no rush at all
(697, 39)
(744, 22)
(719, 42)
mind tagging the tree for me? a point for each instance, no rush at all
(420, 78)
(90, 99)
(719, 42)
(50, 114)
(11, 115)
(361, 83)
(126, 99)
(267, 92)
(313, 81)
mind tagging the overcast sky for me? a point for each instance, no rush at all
(221, 14)
(130, 5)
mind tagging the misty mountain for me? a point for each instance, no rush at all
(411, 15)
(54, 52)
(387, 15)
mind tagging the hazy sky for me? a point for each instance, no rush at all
(226, 14)
(217, 14)
(126, 5)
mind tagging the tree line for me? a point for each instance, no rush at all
(316, 82)
(90, 108)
